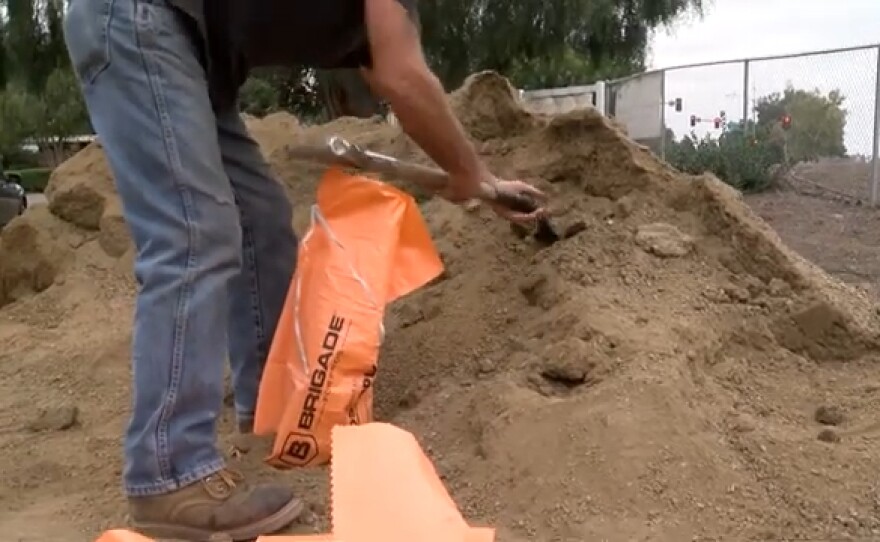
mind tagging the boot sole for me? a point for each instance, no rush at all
(265, 526)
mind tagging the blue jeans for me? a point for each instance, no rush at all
(212, 228)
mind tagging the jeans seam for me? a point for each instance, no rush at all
(259, 317)
(154, 76)
(249, 255)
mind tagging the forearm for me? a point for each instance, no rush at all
(419, 102)
(400, 75)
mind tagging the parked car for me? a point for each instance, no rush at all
(13, 199)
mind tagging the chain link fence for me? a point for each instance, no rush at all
(816, 114)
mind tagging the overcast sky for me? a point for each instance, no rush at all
(733, 29)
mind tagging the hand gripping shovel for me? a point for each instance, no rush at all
(339, 152)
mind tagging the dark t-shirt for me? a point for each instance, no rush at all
(238, 35)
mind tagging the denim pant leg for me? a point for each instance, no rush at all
(268, 259)
(148, 101)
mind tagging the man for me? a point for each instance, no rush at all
(215, 248)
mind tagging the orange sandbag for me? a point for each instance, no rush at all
(384, 489)
(121, 535)
(367, 245)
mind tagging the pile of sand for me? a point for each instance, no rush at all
(656, 376)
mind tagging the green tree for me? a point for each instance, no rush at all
(295, 90)
(463, 36)
(14, 119)
(533, 42)
(41, 100)
(23, 37)
(259, 97)
(817, 122)
(57, 113)
(565, 69)
(53, 54)
(33, 43)
(2, 53)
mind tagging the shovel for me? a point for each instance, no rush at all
(340, 152)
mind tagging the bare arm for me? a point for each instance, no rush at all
(401, 75)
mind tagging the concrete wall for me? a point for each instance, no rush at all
(556, 101)
(637, 103)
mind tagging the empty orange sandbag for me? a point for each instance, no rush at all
(121, 535)
(366, 246)
(384, 489)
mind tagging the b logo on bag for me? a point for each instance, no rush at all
(299, 450)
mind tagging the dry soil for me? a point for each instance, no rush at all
(672, 372)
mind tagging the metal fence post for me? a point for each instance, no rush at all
(745, 125)
(663, 114)
(875, 162)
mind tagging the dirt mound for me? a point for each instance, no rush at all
(653, 377)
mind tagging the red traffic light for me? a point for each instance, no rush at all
(717, 122)
(786, 121)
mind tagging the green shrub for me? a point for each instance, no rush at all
(34, 179)
(20, 159)
(742, 161)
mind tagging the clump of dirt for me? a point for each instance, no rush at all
(653, 376)
(79, 190)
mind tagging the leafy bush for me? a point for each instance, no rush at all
(18, 158)
(792, 126)
(742, 161)
(33, 180)
(258, 97)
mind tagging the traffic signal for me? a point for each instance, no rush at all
(678, 105)
(786, 121)
(717, 122)
(693, 120)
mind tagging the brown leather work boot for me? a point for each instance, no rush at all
(220, 507)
